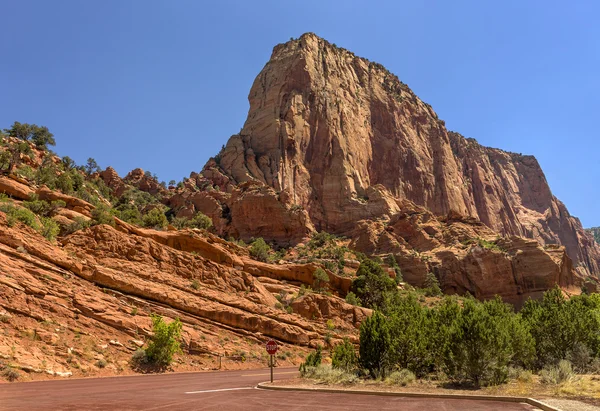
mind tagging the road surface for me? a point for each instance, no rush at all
(226, 390)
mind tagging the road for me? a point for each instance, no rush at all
(226, 390)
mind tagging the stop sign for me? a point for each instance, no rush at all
(271, 347)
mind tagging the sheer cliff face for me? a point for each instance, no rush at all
(346, 140)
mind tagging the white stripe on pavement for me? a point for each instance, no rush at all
(222, 389)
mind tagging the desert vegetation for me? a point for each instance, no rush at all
(466, 342)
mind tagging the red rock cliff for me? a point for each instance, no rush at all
(344, 139)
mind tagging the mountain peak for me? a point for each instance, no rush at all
(345, 140)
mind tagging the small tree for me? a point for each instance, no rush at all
(39, 135)
(375, 345)
(200, 220)
(101, 215)
(432, 286)
(351, 298)
(155, 219)
(42, 137)
(312, 360)
(91, 166)
(11, 158)
(372, 283)
(320, 280)
(344, 356)
(481, 343)
(164, 343)
(391, 261)
(259, 250)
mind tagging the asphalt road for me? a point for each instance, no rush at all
(227, 390)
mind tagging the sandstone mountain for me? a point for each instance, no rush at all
(332, 139)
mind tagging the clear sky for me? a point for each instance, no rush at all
(161, 85)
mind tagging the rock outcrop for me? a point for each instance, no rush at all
(343, 139)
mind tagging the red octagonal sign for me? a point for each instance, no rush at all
(271, 347)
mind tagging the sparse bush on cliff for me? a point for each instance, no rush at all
(320, 280)
(259, 250)
(15, 214)
(50, 228)
(10, 374)
(80, 223)
(102, 215)
(351, 298)
(156, 219)
(200, 220)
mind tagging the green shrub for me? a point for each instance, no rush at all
(101, 363)
(344, 357)
(320, 280)
(15, 214)
(64, 183)
(201, 220)
(25, 171)
(129, 213)
(312, 360)
(50, 228)
(164, 343)
(259, 250)
(520, 374)
(156, 219)
(304, 290)
(102, 215)
(351, 298)
(198, 221)
(390, 260)
(481, 342)
(318, 240)
(80, 223)
(139, 357)
(412, 345)
(571, 323)
(402, 377)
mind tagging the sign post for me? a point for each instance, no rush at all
(272, 350)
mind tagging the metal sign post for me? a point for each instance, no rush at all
(272, 350)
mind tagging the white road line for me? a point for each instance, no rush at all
(262, 375)
(222, 389)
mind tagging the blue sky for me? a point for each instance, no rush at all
(162, 85)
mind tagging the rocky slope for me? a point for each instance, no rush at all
(595, 232)
(81, 305)
(332, 139)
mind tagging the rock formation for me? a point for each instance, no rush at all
(342, 139)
